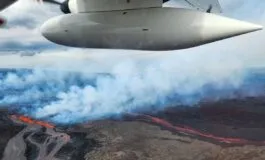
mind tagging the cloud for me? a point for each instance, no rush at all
(130, 84)
(22, 30)
(30, 13)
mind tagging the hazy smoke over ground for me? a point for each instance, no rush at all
(131, 86)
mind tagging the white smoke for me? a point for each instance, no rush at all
(131, 85)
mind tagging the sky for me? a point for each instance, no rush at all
(132, 79)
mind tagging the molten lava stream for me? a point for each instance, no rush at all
(191, 131)
(28, 120)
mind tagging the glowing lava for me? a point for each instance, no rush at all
(28, 120)
(161, 122)
(191, 131)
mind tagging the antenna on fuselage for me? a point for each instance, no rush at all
(209, 10)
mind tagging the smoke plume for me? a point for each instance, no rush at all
(132, 85)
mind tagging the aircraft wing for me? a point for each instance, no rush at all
(206, 5)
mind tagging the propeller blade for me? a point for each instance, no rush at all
(52, 2)
(63, 6)
(209, 10)
(2, 22)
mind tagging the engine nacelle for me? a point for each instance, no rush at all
(143, 29)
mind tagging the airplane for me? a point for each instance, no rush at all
(139, 24)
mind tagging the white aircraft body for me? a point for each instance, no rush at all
(140, 25)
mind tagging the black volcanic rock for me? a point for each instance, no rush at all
(236, 129)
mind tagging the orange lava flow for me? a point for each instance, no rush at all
(195, 132)
(28, 120)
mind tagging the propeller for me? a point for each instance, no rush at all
(63, 6)
(209, 10)
(2, 22)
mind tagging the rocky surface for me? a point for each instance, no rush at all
(224, 130)
(137, 140)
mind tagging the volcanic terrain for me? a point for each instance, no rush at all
(227, 129)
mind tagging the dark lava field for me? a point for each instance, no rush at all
(226, 129)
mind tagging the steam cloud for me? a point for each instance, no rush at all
(131, 86)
